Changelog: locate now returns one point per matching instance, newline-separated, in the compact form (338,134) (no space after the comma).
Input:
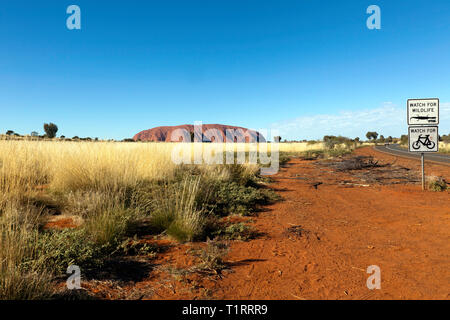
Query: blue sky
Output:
(307,68)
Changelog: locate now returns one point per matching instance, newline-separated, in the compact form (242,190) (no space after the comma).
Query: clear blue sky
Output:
(301,66)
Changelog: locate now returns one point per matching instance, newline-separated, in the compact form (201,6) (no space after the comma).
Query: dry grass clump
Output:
(437,184)
(212,257)
(177,212)
(23,273)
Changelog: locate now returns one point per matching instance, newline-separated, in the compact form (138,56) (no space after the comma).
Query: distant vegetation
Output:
(50,130)
(445,138)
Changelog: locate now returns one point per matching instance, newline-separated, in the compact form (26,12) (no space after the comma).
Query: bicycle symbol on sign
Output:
(425,141)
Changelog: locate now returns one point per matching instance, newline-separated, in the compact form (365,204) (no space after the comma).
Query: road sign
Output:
(423,112)
(423,139)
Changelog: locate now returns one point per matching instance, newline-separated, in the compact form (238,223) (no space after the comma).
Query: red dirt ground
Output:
(399,228)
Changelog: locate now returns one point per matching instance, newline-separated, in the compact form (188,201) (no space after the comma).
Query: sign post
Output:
(423,171)
(423,137)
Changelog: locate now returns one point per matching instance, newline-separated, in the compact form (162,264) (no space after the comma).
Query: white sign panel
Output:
(423,139)
(423,112)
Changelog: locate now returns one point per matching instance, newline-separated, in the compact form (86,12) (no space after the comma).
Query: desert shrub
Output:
(212,257)
(235,231)
(438,185)
(134,247)
(109,226)
(330,142)
(312,154)
(233,198)
(176,210)
(62,248)
(404,139)
(242,174)
(284,158)
(88,247)
(50,129)
(337,152)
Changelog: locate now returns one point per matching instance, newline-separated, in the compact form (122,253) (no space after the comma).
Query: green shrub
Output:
(284,158)
(236,231)
(233,198)
(312,154)
(133,247)
(212,257)
(438,185)
(337,152)
(62,248)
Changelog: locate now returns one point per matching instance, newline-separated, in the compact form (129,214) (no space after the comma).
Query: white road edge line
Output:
(410,156)
(430,155)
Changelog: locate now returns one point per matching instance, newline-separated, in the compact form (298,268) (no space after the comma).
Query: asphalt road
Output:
(396,150)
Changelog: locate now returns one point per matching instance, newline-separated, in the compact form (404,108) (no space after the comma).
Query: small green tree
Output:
(330,141)
(404,139)
(9,132)
(372,135)
(50,130)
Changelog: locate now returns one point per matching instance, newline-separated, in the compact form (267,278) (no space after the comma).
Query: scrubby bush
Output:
(212,257)
(50,130)
(234,198)
(62,248)
(235,231)
(333,142)
(372,135)
(438,184)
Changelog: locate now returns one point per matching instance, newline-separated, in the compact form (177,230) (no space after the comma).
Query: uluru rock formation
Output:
(210,133)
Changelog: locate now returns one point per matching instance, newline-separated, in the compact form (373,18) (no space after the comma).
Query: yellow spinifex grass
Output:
(103,165)
(73,165)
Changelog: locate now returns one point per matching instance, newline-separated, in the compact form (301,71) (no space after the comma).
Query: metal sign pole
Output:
(423,171)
